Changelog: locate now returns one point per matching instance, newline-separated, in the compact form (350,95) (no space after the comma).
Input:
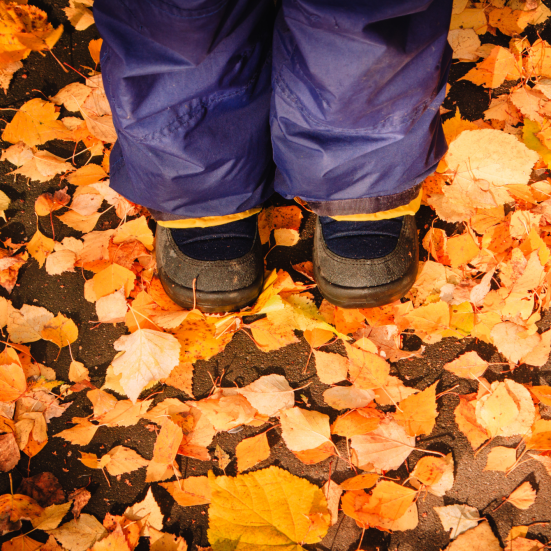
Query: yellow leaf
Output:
(469,19)
(417,413)
(135,229)
(60,330)
(461,249)
(542,393)
(436,473)
(277,218)
(80,222)
(523,497)
(538,60)
(360,482)
(36,123)
(251,451)
(331,368)
(492,72)
(164,453)
(269,336)
(454,126)
(94,48)
(115,541)
(501,459)
(367,370)
(465,417)
(12,382)
(359,421)
(430,321)
(40,247)
(508,21)
(389,500)
(303,429)
(86,175)
(18,506)
(21,543)
(266,509)
(148,356)
(469,365)
(117,461)
(194,490)
(112,279)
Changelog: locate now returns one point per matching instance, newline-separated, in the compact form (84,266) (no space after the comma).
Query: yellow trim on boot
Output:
(411,208)
(208,221)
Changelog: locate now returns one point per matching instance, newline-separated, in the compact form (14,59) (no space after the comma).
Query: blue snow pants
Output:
(343,95)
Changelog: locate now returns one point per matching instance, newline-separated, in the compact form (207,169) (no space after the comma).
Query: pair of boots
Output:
(356,264)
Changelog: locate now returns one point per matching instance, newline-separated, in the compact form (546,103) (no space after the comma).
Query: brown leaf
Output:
(80,497)
(44,488)
(9,452)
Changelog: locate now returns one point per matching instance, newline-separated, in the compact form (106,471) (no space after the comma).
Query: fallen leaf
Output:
(116,540)
(347,397)
(78,372)
(465,417)
(251,451)
(501,459)
(94,47)
(148,356)
(35,123)
(21,543)
(523,497)
(60,330)
(304,430)
(269,394)
(44,488)
(194,490)
(469,365)
(480,538)
(88,174)
(148,511)
(112,308)
(386,447)
(360,482)
(436,473)
(135,229)
(51,516)
(80,497)
(166,446)
(492,72)
(79,534)
(331,368)
(367,370)
(9,452)
(40,247)
(417,413)
(355,422)
(457,518)
(266,509)
(117,461)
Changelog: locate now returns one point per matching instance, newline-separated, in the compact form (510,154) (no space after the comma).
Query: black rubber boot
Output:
(367,282)
(215,285)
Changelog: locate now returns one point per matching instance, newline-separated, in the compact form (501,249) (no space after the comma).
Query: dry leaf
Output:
(251,451)
(269,394)
(304,430)
(523,497)
(386,448)
(331,368)
(469,365)
(417,413)
(347,397)
(436,473)
(60,330)
(501,459)
(458,518)
(119,460)
(147,511)
(79,534)
(492,72)
(112,308)
(281,510)
(40,247)
(162,463)
(194,490)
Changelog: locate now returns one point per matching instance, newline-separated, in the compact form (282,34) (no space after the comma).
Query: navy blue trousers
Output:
(343,95)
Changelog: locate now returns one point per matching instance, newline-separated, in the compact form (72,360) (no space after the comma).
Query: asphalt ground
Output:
(241,362)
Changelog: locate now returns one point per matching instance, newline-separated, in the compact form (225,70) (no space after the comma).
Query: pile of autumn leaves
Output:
(488,280)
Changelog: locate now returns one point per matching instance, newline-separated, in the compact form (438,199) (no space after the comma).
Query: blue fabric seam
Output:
(279,81)
(187,118)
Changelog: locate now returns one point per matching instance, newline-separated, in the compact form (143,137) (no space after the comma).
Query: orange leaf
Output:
(417,413)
